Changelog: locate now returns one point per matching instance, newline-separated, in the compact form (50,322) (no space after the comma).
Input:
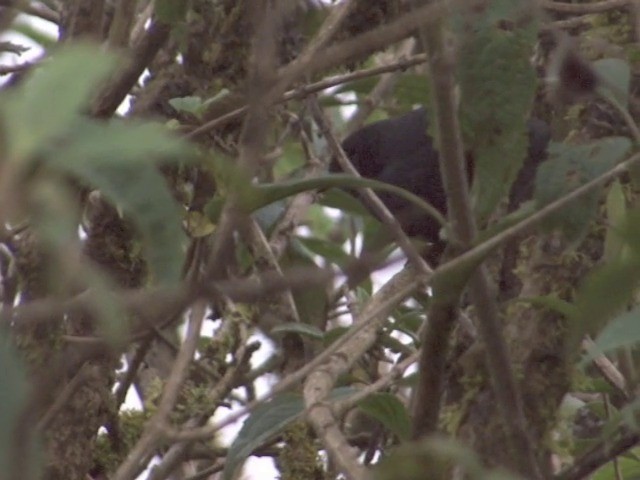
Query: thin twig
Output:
(342,52)
(379,208)
(215,395)
(600,455)
(299,67)
(396,372)
(391,294)
(143,449)
(306,90)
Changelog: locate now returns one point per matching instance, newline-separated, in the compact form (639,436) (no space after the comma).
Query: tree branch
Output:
(582,8)
(453,169)
(120,84)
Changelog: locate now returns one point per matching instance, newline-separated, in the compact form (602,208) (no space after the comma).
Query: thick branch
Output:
(117,88)
(582,8)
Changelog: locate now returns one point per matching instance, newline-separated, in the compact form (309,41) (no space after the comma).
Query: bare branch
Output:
(357,338)
(582,8)
(36,9)
(140,453)
(120,84)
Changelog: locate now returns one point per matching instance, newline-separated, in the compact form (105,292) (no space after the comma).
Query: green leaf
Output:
(617,78)
(54,219)
(498,86)
(47,105)
(628,229)
(410,322)
(606,292)
(189,104)
(334,334)
(396,346)
(435,455)
(411,89)
(622,331)
(322,223)
(326,249)
(13,398)
(301,329)
(341,200)
(47,40)
(195,105)
(171,11)
(292,158)
(118,158)
(627,467)
(550,302)
(120,143)
(569,167)
(362,86)
(616,212)
(257,196)
(388,410)
(266,421)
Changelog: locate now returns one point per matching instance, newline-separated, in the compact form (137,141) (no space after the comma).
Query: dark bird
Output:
(399,151)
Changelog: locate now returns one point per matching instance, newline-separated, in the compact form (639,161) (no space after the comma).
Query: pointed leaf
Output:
(266,421)
(117,158)
(299,328)
(390,411)
(622,331)
(569,167)
(497,85)
(47,105)
(616,212)
(605,293)
(617,76)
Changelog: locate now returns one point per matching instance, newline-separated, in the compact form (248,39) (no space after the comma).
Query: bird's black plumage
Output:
(399,151)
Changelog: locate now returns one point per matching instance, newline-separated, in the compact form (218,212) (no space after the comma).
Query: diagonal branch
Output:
(352,344)
(143,52)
